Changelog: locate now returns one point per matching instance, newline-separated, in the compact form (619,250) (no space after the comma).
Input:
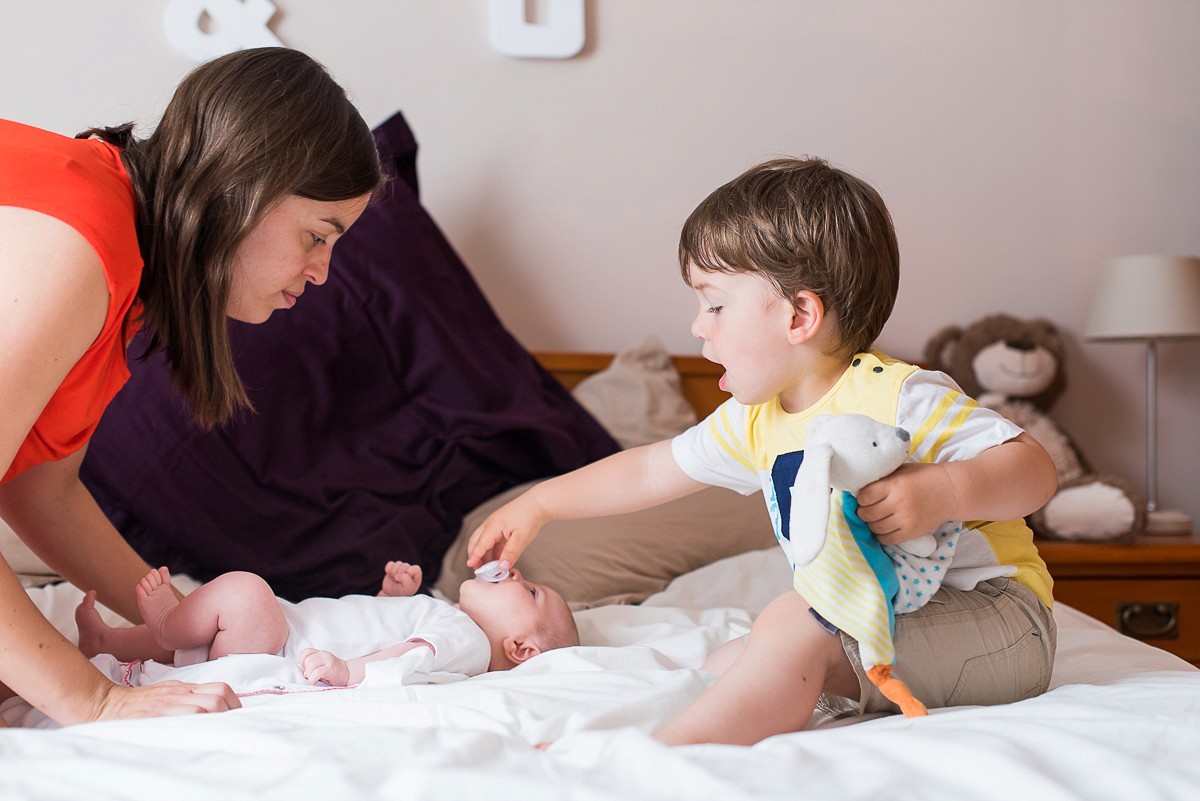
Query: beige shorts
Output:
(990,645)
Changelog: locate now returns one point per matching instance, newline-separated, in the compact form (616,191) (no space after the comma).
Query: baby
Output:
(496,626)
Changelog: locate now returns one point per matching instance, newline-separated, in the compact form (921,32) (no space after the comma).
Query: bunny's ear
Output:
(810,503)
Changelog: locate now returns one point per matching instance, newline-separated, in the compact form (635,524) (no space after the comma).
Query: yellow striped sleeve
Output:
(721,428)
(943,423)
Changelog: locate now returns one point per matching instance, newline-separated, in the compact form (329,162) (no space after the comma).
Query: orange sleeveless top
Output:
(84,184)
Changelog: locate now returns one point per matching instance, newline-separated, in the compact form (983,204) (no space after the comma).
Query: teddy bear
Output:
(1016,366)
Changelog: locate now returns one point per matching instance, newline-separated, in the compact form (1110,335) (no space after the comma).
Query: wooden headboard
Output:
(699,376)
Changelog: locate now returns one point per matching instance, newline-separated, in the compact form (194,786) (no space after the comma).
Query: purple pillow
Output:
(390,402)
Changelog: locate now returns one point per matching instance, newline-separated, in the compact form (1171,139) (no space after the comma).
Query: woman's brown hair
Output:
(242,133)
(803,225)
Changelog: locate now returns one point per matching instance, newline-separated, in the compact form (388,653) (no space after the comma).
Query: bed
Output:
(653,594)
(1121,720)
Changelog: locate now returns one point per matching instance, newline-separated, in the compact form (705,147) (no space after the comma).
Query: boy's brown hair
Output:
(803,225)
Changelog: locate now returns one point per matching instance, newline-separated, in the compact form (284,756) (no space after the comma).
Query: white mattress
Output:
(1122,721)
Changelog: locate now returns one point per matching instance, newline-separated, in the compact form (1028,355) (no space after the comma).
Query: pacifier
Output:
(491,572)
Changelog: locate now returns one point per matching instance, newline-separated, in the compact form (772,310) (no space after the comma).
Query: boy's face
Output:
(744,324)
(513,607)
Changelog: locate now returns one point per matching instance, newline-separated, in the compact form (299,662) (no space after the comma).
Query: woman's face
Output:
(288,249)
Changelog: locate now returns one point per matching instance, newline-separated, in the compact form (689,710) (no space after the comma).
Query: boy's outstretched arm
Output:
(1004,482)
(624,482)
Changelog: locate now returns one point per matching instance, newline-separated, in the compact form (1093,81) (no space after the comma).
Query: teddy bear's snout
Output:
(902,435)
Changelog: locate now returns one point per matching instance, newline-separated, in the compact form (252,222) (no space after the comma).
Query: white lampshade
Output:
(1146,297)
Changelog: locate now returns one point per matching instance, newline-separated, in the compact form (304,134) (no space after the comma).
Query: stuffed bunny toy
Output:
(851,581)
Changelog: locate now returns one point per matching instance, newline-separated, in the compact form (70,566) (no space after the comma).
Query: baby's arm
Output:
(338,672)
(1004,482)
(624,482)
(400,580)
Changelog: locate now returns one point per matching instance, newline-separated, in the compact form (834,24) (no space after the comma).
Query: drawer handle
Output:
(1157,620)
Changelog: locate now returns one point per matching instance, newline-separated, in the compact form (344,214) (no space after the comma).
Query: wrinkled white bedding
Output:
(1122,721)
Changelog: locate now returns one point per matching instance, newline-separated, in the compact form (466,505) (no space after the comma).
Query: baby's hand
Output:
(910,503)
(400,580)
(324,666)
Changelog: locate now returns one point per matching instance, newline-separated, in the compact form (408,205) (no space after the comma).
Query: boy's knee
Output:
(790,617)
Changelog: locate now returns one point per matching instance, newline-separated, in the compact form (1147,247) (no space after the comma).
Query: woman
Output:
(230,208)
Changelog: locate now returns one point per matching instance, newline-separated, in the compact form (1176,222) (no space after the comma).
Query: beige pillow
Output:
(638,398)
(625,558)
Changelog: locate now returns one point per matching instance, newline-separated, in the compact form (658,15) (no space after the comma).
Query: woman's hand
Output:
(163,698)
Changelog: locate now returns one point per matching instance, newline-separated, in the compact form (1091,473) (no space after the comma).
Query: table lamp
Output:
(1149,298)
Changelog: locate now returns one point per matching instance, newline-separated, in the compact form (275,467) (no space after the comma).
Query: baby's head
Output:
(521,619)
(801,224)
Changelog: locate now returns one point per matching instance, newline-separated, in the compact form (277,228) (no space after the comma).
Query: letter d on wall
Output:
(561,36)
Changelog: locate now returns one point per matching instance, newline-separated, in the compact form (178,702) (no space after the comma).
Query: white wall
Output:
(1018,143)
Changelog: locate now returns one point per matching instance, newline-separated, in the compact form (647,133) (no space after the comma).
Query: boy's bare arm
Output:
(624,482)
(1004,482)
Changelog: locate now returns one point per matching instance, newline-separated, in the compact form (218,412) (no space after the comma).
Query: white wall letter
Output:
(561,36)
(233,25)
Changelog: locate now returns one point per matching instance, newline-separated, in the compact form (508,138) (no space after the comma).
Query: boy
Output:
(496,626)
(796,268)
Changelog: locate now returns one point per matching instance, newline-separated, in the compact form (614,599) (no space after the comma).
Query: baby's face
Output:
(511,607)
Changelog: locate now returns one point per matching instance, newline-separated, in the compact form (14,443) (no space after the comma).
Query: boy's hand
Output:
(909,503)
(400,580)
(506,533)
(324,666)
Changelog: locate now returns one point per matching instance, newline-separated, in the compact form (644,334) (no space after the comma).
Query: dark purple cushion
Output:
(390,402)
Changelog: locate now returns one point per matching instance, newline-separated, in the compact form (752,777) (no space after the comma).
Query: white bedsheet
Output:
(1122,721)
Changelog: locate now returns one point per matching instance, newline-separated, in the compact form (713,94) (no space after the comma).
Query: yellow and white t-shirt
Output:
(751,448)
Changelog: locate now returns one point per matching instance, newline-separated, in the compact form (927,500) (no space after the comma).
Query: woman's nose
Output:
(318,271)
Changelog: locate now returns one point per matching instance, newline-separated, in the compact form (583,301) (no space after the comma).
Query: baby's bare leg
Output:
(124,642)
(235,613)
(773,685)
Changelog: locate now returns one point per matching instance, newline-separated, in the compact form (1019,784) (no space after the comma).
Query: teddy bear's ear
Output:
(940,349)
(1045,333)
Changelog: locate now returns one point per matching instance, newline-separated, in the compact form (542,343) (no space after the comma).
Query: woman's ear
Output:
(808,312)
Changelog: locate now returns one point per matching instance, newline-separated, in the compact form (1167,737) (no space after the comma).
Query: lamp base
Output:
(1167,523)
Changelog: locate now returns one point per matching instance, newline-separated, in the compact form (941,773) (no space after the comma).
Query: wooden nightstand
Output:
(1148,588)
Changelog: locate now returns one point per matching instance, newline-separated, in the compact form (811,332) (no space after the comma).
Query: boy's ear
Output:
(808,312)
(518,650)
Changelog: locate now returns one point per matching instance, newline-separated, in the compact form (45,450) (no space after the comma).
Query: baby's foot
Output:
(156,599)
(93,631)
(400,580)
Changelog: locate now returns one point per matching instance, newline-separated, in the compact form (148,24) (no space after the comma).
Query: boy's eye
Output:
(714,309)
(316,239)
(533,592)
